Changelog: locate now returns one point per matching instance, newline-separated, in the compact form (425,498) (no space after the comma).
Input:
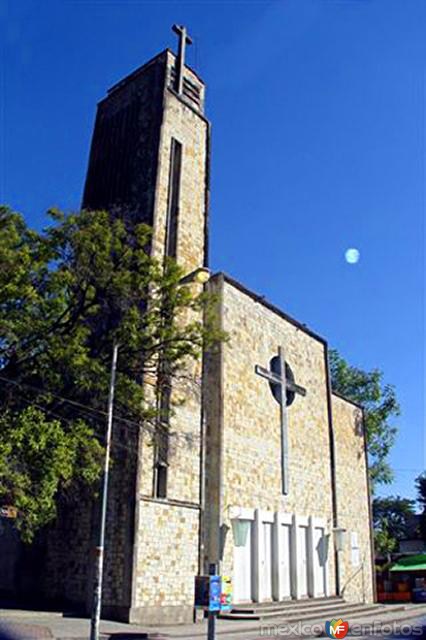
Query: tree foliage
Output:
(421,500)
(384,543)
(392,520)
(37,457)
(380,407)
(66,294)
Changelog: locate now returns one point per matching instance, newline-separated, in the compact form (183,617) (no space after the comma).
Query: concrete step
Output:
(344,607)
(364,610)
(252,607)
(262,612)
(327,610)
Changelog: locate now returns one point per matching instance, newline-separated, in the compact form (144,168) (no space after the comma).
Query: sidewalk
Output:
(56,625)
(29,625)
(34,625)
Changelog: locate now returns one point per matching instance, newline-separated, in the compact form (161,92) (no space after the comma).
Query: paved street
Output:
(29,625)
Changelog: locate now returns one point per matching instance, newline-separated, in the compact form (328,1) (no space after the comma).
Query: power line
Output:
(70,422)
(63,398)
(82,407)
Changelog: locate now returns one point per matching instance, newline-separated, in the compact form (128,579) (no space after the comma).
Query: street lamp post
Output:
(99,567)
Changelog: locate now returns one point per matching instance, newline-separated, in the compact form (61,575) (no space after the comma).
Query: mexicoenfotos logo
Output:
(336,628)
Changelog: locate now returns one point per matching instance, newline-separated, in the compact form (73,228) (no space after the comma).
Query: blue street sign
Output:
(215,591)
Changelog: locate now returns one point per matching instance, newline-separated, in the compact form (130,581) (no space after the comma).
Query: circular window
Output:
(275,366)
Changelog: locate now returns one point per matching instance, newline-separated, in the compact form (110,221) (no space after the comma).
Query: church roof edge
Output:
(262,300)
(346,399)
(133,74)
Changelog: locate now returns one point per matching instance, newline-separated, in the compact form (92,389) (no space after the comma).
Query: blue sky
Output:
(318,112)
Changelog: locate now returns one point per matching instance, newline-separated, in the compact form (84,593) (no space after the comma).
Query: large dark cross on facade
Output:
(284,389)
(184,39)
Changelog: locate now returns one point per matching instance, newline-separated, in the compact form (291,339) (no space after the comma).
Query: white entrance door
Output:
(266,561)
(320,559)
(242,570)
(285,561)
(302,561)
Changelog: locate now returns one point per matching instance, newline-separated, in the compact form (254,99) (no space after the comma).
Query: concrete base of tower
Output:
(150,615)
(162,615)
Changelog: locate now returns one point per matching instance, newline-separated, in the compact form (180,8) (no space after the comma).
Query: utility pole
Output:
(99,568)
(211,618)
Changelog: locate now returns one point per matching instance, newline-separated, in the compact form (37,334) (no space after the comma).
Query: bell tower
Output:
(149,162)
(149,156)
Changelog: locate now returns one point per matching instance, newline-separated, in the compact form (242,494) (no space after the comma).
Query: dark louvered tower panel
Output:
(123,159)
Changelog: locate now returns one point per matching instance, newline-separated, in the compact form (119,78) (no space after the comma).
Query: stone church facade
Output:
(216,496)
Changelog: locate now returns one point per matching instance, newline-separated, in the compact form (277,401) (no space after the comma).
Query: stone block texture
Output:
(353,501)
(167,562)
(243,455)
(244,420)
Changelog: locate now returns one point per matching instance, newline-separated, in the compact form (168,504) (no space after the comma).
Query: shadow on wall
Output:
(322,550)
(10,552)
(21,567)
(359,428)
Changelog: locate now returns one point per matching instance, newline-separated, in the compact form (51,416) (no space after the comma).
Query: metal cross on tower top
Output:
(284,389)
(184,39)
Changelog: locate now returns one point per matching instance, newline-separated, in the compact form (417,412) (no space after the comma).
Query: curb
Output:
(17,630)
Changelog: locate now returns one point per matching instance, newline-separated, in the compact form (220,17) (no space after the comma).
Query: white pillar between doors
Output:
(280,520)
(294,556)
(329,547)
(298,521)
(257,531)
(311,559)
(321,523)
(261,516)
(276,556)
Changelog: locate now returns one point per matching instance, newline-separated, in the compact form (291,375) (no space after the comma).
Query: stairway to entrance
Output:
(301,610)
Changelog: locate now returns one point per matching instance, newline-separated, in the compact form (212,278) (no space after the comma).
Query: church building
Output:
(264,470)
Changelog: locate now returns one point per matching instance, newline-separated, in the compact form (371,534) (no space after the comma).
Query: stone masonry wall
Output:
(352,502)
(70,558)
(183,123)
(249,453)
(190,128)
(68,561)
(167,539)
(167,563)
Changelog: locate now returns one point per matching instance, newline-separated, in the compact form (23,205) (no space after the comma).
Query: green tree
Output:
(66,294)
(421,500)
(392,518)
(384,543)
(37,456)
(380,406)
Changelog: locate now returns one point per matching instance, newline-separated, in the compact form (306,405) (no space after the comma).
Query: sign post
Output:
(213,593)
(214,602)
